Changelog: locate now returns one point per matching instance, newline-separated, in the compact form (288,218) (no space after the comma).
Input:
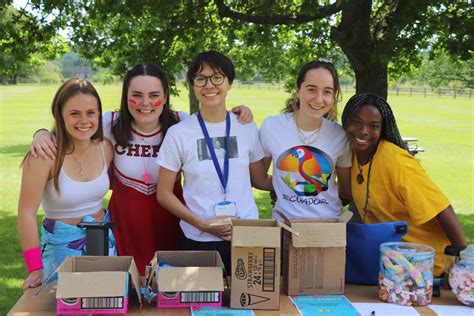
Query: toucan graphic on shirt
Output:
(306,170)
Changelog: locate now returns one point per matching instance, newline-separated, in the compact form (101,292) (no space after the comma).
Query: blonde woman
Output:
(70,188)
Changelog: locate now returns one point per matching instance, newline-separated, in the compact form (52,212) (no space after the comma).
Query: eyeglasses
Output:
(216,80)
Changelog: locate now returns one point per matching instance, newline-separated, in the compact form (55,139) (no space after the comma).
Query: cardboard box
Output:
(195,278)
(255,264)
(314,258)
(95,284)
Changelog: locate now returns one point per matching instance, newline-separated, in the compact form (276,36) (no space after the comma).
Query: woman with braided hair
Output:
(389,184)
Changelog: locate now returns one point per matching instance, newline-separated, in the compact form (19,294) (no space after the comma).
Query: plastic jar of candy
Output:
(461,277)
(406,273)
(451,256)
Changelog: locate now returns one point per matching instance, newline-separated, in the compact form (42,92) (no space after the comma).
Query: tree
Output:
(273,36)
(24,41)
(443,71)
(374,35)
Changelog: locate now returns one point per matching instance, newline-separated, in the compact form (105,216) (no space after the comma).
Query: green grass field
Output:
(443,126)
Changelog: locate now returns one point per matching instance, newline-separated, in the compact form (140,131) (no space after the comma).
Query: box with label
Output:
(255,264)
(189,278)
(314,256)
(96,285)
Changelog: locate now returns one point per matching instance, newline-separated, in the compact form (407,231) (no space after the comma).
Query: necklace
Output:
(307,138)
(366,206)
(360,176)
(81,163)
(143,136)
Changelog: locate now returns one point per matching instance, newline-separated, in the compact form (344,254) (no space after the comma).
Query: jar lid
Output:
(468,254)
(453,250)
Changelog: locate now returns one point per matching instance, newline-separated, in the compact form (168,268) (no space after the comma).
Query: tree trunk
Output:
(354,37)
(193,101)
(371,76)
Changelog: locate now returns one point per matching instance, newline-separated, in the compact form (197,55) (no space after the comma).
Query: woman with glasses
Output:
(308,148)
(136,132)
(213,187)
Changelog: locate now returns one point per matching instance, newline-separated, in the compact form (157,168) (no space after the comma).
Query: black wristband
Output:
(41,129)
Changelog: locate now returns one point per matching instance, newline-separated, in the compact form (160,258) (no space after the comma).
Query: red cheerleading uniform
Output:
(143,225)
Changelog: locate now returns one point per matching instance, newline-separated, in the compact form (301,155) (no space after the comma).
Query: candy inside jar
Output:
(461,277)
(406,273)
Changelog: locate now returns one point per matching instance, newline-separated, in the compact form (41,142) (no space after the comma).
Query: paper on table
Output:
(447,310)
(385,309)
(215,311)
(310,305)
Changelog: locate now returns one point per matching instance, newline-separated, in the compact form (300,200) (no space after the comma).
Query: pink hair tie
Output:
(33,259)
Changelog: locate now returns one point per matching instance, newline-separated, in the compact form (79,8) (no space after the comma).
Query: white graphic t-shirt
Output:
(184,148)
(304,174)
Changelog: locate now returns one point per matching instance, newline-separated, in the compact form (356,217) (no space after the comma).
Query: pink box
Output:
(189,299)
(91,305)
(95,285)
(189,279)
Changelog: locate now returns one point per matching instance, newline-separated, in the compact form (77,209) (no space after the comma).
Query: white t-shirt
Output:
(304,174)
(132,162)
(184,148)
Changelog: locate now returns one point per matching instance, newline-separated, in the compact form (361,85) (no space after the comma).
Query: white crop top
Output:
(75,198)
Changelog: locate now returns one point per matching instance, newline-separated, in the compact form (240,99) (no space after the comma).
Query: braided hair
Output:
(389,125)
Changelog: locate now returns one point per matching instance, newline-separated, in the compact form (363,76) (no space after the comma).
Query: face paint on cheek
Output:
(132,102)
(158,103)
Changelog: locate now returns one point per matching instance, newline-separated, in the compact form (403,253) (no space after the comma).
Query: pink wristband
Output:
(33,259)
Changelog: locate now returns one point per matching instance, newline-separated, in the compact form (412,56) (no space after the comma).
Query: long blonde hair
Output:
(66,91)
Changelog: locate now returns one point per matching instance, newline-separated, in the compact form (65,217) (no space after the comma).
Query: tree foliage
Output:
(445,71)
(25,41)
(271,37)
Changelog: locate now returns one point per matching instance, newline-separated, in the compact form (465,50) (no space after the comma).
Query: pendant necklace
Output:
(367,195)
(81,163)
(311,138)
(360,176)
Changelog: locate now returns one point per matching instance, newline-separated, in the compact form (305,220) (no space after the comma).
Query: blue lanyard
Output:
(222,177)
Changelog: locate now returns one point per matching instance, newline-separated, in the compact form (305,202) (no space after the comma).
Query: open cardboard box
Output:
(314,259)
(96,284)
(195,278)
(255,264)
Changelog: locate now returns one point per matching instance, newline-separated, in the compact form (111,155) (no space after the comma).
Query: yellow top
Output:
(400,190)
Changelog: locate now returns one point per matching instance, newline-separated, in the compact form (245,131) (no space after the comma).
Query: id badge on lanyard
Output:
(225,207)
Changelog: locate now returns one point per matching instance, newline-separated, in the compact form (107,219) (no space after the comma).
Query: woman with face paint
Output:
(308,148)
(213,186)
(70,189)
(136,132)
(390,185)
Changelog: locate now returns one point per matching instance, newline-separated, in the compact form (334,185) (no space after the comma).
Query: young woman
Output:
(136,132)
(308,148)
(389,184)
(70,188)
(212,186)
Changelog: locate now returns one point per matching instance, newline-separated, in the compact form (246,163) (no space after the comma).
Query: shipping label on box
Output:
(255,264)
(189,279)
(95,285)
(314,258)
